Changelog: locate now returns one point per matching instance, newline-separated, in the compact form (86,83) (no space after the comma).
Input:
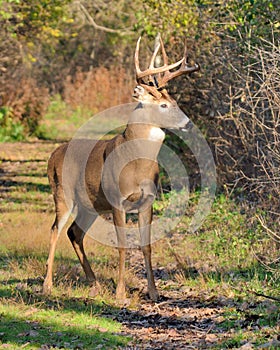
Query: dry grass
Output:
(216,266)
(224,244)
(98,89)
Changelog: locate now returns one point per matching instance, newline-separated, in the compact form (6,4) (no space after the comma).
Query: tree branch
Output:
(99,27)
(269,231)
(265,296)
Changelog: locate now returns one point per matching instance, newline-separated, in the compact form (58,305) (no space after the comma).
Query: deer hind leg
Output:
(120,222)
(76,234)
(144,222)
(62,215)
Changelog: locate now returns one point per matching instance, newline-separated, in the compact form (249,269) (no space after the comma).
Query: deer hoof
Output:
(154,296)
(94,290)
(121,297)
(123,302)
(120,292)
(47,288)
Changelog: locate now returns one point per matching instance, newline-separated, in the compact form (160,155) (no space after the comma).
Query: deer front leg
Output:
(144,221)
(120,223)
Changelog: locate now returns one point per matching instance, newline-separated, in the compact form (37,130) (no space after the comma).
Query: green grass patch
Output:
(10,130)
(226,252)
(68,319)
(61,122)
(66,326)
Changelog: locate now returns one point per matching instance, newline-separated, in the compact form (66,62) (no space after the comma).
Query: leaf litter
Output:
(191,319)
(185,318)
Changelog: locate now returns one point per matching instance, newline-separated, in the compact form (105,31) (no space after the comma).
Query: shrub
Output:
(27,102)
(9,131)
(249,134)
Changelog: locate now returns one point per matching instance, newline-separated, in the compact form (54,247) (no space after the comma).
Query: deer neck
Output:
(146,135)
(147,132)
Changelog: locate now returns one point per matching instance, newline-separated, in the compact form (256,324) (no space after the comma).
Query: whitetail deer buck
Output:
(132,188)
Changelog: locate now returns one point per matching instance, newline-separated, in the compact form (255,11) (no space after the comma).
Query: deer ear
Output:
(139,93)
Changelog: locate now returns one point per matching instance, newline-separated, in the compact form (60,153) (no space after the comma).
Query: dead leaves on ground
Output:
(196,323)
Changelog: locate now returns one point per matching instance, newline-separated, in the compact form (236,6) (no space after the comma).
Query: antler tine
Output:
(140,74)
(184,69)
(151,71)
(164,55)
(136,59)
(152,63)
(164,72)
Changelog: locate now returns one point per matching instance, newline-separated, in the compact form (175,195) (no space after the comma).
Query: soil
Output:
(183,318)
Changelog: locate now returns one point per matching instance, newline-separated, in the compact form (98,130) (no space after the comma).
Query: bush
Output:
(247,137)
(27,102)
(9,131)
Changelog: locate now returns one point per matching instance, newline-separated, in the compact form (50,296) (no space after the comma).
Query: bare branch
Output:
(100,27)
(269,231)
(265,296)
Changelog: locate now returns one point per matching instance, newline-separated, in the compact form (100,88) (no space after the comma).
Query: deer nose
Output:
(187,126)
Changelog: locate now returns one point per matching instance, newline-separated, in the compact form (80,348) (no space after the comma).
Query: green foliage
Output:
(225,248)
(254,12)
(247,20)
(36,25)
(61,121)
(171,18)
(6,8)
(35,19)
(232,238)
(9,129)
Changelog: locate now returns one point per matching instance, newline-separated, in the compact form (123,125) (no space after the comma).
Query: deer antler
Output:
(184,68)
(152,70)
(163,72)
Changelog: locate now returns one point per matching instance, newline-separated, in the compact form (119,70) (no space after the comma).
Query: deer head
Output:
(152,82)
(154,79)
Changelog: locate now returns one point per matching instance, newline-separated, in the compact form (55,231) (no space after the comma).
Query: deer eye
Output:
(163,105)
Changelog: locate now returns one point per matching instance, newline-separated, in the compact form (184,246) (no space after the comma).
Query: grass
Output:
(218,262)
(65,326)
(222,255)
(61,122)
(67,319)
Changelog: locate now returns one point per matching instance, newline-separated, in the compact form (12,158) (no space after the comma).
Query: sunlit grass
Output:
(62,324)
(218,261)
(61,122)
(221,256)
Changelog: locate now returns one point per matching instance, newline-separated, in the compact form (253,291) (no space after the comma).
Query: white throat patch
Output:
(156,134)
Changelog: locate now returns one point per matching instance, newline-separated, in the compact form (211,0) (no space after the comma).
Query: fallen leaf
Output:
(103,330)
(247,346)
(173,333)
(32,333)
(211,338)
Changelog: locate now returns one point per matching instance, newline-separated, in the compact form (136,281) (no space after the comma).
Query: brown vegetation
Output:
(99,88)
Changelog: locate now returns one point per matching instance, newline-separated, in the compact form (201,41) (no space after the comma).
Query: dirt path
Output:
(175,323)
(190,319)
(184,318)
